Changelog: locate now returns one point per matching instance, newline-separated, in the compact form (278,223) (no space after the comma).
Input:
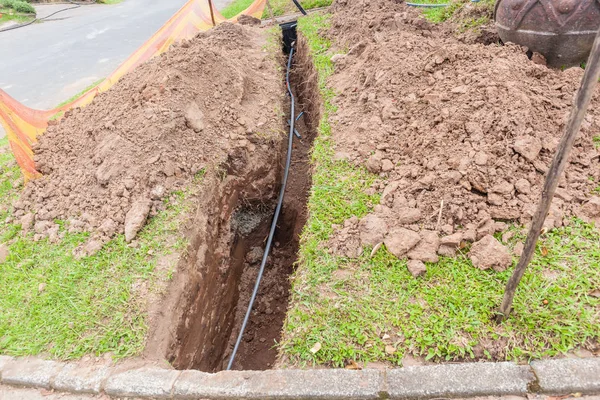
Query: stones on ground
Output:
(136,218)
(3,253)
(426,249)
(528,146)
(489,253)
(416,268)
(401,240)
(372,230)
(194,117)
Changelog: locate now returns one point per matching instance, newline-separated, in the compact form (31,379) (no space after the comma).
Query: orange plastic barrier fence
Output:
(23,124)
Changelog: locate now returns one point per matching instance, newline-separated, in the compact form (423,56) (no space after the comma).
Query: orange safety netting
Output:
(23,124)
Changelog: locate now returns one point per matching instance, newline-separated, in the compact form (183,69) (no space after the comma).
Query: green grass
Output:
(75,97)
(356,307)
(11,15)
(280,7)
(110,1)
(54,304)
(441,14)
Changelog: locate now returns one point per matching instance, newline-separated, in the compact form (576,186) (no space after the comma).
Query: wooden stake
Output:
(271,12)
(584,95)
(212,13)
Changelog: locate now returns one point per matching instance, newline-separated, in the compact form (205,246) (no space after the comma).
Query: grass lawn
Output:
(110,1)
(10,15)
(441,14)
(75,97)
(280,7)
(371,309)
(56,305)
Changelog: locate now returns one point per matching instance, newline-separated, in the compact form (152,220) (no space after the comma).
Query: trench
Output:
(227,243)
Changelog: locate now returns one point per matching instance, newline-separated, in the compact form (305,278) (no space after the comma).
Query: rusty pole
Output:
(212,13)
(582,101)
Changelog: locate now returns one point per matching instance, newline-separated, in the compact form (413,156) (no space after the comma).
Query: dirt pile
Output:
(107,167)
(460,134)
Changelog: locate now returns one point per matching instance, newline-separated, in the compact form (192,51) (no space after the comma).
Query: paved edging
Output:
(424,382)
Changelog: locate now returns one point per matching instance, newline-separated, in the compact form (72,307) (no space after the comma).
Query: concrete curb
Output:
(556,377)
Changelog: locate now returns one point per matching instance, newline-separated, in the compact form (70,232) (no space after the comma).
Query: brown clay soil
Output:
(161,125)
(461,133)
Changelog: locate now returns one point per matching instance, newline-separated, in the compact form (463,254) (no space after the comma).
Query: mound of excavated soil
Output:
(461,135)
(108,166)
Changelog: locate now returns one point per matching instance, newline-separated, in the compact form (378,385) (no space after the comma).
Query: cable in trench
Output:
(288,162)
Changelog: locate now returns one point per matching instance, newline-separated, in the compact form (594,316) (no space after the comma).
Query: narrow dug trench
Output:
(228,235)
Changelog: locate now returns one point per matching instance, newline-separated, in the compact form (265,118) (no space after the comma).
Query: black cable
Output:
(288,163)
(302,10)
(41,19)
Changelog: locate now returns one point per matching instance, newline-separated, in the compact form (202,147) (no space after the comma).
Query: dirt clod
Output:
(416,268)
(136,218)
(426,249)
(400,240)
(3,253)
(490,253)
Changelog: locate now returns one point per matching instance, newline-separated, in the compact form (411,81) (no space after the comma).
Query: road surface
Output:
(46,63)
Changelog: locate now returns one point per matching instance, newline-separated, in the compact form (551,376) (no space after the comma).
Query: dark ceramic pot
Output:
(562,30)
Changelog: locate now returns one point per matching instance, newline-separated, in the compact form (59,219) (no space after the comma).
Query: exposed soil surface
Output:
(461,134)
(108,166)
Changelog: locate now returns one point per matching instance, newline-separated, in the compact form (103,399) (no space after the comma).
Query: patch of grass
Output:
(75,97)
(11,15)
(236,7)
(54,304)
(597,141)
(110,1)
(280,7)
(441,14)
(356,307)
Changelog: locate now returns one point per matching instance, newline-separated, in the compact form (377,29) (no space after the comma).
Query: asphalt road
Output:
(46,63)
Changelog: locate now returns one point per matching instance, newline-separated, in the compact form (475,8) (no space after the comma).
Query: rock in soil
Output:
(154,130)
(490,253)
